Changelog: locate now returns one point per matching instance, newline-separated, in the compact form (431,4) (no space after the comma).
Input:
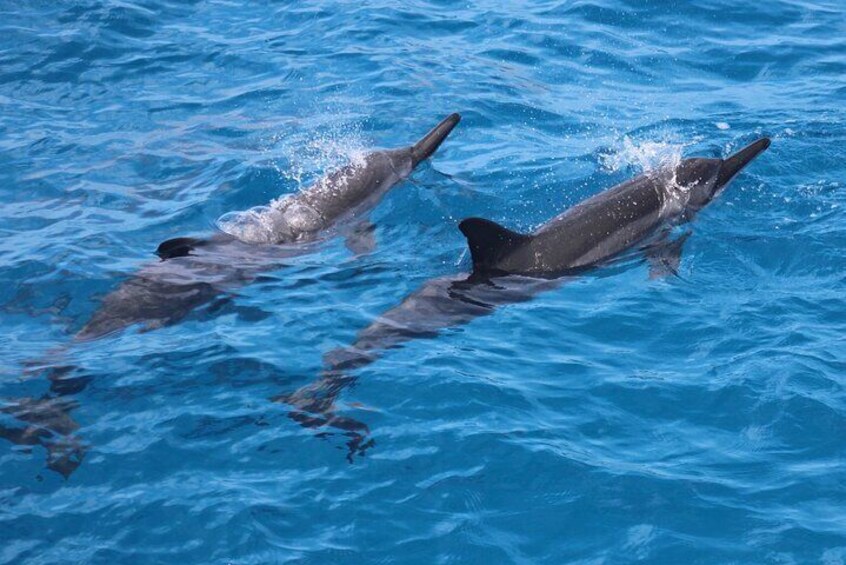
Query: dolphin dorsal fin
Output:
(178,247)
(489,242)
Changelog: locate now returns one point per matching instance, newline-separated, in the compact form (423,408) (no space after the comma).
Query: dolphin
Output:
(195,271)
(511,267)
(603,226)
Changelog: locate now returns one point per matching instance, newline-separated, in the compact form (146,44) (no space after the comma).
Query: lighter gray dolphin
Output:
(511,267)
(194,271)
(197,271)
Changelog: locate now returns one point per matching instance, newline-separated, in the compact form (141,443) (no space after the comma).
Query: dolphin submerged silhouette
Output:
(196,271)
(511,267)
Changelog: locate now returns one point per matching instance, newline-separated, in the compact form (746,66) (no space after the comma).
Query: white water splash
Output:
(652,158)
(327,149)
(644,156)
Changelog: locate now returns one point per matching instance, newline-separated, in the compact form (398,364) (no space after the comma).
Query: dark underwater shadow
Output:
(438,305)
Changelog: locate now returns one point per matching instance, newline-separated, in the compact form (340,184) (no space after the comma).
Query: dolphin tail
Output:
(313,406)
(736,162)
(427,146)
(489,242)
(45,421)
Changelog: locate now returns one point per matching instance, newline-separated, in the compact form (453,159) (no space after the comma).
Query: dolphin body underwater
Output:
(194,271)
(511,267)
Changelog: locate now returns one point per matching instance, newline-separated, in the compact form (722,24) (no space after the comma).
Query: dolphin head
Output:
(704,179)
(698,178)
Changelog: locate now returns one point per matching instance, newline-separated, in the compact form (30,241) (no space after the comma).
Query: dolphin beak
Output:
(736,162)
(424,148)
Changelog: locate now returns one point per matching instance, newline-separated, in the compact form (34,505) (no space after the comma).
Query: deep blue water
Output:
(617,418)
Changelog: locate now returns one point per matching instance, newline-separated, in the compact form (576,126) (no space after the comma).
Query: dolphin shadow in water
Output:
(439,304)
(510,267)
(193,272)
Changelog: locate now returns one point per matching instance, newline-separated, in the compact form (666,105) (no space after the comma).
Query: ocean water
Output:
(616,418)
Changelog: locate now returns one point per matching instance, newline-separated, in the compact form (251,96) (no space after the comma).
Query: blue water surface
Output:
(617,418)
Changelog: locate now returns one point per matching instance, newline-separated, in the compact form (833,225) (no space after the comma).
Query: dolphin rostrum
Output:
(511,267)
(197,271)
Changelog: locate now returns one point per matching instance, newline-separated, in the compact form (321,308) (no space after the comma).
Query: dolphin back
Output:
(430,142)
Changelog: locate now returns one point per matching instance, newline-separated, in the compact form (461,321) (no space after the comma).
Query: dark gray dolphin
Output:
(197,271)
(510,267)
(601,227)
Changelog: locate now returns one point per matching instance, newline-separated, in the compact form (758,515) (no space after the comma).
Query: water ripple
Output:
(613,419)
